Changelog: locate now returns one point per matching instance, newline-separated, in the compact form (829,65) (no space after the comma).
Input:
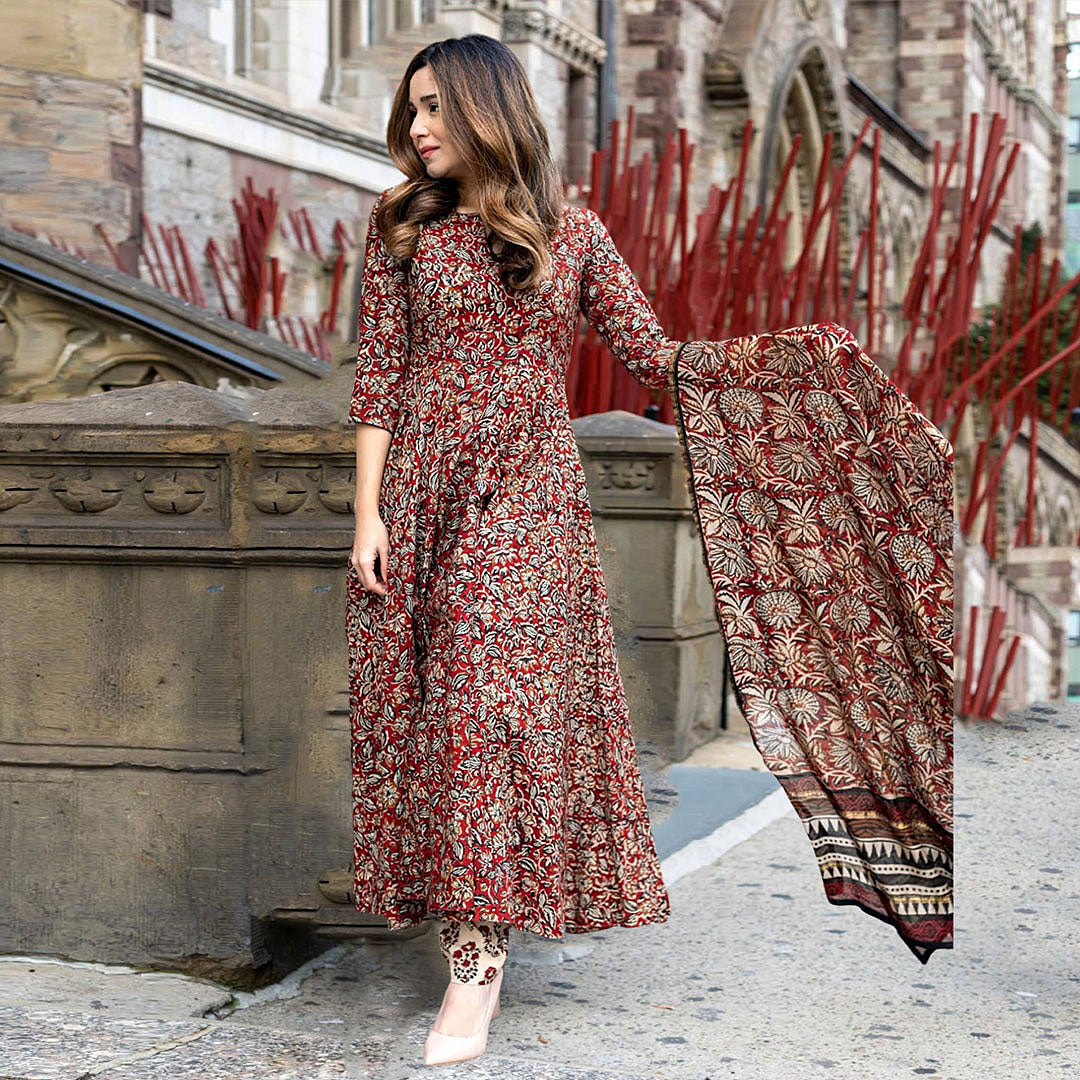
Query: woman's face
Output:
(427,129)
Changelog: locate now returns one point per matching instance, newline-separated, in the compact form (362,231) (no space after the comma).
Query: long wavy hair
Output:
(491,116)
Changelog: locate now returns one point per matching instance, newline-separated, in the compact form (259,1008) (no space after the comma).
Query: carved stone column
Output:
(671,650)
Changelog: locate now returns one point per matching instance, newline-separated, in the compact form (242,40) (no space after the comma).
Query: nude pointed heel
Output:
(440,1049)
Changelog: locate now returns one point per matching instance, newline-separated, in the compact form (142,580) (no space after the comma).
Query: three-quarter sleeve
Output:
(383,349)
(617,308)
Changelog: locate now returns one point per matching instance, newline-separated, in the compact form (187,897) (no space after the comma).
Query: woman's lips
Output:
(428,151)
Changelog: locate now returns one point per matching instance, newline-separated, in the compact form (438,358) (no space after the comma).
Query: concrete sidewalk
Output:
(755,976)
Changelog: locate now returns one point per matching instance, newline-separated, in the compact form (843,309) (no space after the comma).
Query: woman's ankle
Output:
(463,1008)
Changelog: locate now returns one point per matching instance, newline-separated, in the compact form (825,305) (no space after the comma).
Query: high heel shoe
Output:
(440,1049)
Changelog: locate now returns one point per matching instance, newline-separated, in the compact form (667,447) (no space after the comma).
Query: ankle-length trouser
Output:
(475,951)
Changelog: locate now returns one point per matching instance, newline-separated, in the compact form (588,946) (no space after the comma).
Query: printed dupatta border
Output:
(824,503)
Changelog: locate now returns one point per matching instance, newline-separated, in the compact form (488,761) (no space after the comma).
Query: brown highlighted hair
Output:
(491,115)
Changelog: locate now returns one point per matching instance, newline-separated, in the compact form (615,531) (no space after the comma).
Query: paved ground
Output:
(755,976)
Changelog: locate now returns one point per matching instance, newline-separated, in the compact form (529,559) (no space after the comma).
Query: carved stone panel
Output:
(101,498)
(50,348)
(32,492)
(70,328)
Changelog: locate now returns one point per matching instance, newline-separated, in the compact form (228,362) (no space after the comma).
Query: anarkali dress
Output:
(495,775)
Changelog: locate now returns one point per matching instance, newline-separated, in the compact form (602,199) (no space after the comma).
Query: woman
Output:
(495,775)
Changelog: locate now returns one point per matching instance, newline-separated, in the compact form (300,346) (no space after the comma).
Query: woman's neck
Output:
(467,200)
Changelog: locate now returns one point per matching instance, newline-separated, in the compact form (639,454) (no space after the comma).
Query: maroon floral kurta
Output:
(494,771)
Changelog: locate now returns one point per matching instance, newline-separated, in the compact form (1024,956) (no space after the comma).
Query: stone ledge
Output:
(533,23)
(152,466)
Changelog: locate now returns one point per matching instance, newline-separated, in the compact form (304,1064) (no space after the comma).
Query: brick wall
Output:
(70,76)
(930,66)
(873,30)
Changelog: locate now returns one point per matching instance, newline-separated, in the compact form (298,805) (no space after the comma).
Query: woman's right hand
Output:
(371,541)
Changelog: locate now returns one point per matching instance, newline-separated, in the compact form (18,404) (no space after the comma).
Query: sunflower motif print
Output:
(828,542)
(495,775)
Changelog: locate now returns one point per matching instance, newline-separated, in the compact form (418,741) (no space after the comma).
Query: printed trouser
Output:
(475,951)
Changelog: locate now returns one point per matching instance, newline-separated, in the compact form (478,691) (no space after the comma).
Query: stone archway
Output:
(906,244)
(140,369)
(1017,479)
(805,100)
(1064,523)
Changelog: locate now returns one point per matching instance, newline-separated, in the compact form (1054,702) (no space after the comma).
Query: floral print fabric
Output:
(495,776)
(494,773)
(475,951)
(825,505)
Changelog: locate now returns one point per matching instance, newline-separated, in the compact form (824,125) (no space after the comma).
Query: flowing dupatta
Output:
(824,501)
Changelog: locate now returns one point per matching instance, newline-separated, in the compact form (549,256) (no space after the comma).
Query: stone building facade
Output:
(71,143)
(126,116)
(1072,194)
(167,106)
